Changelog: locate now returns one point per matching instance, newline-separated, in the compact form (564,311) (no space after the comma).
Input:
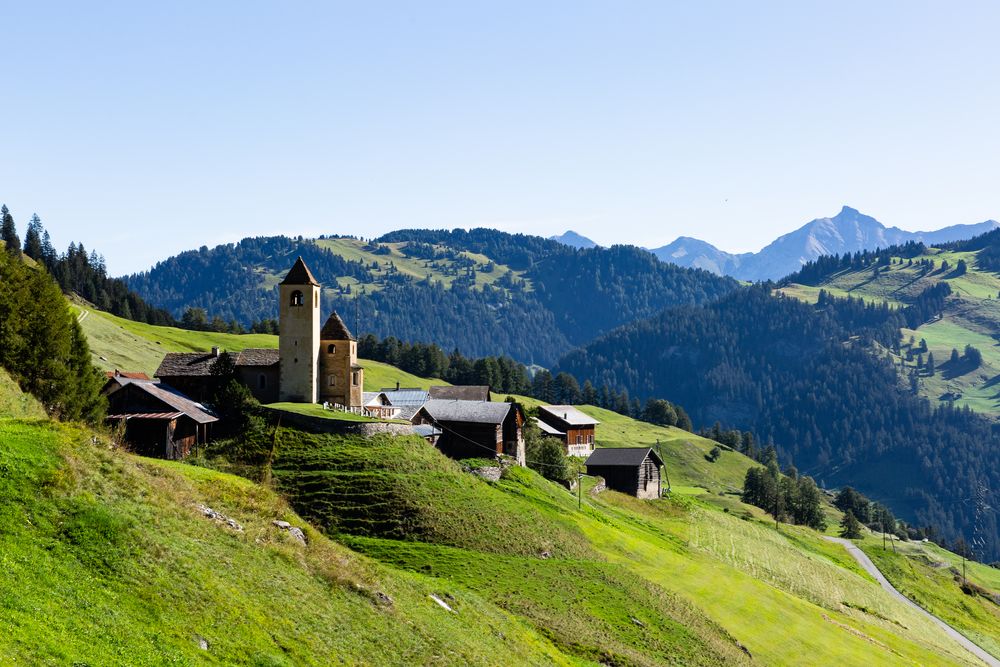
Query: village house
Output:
(631,470)
(159,420)
(475,429)
(191,372)
(569,424)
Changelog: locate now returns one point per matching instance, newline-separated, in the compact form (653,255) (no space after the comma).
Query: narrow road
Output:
(869,566)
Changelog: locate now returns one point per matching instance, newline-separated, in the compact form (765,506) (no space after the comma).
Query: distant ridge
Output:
(848,231)
(573,240)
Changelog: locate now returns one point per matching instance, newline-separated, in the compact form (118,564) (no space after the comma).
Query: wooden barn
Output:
(159,420)
(631,470)
(475,429)
(570,425)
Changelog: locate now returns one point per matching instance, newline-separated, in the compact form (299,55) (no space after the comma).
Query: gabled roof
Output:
(622,456)
(549,430)
(472,392)
(174,399)
(567,414)
(194,364)
(299,275)
(335,329)
(475,412)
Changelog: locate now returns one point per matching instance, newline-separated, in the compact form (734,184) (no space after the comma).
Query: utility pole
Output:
(579,490)
(666,472)
(883,536)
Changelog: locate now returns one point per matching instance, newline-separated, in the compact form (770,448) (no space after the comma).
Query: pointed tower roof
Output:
(335,329)
(299,275)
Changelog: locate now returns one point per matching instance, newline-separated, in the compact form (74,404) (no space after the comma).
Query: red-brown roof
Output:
(299,275)
(135,375)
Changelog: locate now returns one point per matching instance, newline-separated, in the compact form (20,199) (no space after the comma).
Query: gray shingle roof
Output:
(622,456)
(476,412)
(299,274)
(461,392)
(189,364)
(175,399)
(257,357)
(335,329)
(568,414)
(548,430)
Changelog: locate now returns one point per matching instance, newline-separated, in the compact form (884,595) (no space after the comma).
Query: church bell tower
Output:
(299,336)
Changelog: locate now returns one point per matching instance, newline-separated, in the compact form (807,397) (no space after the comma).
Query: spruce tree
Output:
(9,231)
(33,238)
(850,527)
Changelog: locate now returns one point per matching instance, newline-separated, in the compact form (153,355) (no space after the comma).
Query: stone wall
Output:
(338,426)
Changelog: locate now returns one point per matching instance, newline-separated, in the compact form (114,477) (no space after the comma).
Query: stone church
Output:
(317,364)
(313,363)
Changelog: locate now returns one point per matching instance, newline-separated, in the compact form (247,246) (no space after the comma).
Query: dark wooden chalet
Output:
(159,420)
(631,470)
(570,425)
(469,392)
(475,429)
(191,372)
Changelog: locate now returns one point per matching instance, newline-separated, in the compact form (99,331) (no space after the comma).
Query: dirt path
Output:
(869,566)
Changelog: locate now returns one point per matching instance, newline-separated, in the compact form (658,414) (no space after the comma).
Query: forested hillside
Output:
(483,292)
(812,379)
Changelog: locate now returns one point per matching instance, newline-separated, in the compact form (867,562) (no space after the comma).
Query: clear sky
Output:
(142,128)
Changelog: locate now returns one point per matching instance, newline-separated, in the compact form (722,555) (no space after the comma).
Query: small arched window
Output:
(262,381)
(296,298)
(331,349)
(331,380)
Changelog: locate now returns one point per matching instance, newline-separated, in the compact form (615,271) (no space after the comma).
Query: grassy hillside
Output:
(642,571)
(125,569)
(443,270)
(971,316)
(14,403)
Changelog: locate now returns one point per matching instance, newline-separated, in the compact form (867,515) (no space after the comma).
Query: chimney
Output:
(215,350)
(397,385)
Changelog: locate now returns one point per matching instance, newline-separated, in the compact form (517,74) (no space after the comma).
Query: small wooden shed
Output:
(631,470)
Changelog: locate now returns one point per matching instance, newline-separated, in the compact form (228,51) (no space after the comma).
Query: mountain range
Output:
(847,232)
(573,240)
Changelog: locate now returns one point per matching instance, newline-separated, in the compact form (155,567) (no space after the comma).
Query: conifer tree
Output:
(850,527)
(33,238)
(9,231)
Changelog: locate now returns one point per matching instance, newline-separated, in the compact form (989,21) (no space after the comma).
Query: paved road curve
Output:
(869,566)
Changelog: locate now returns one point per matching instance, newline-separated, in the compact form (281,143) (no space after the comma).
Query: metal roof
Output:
(622,456)
(146,415)
(476,412)
(568,414)
(406,397)
(548,430)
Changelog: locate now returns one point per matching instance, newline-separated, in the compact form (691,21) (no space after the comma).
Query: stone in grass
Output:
(294,531)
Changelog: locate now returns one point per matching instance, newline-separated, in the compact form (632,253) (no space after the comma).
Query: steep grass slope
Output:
(14,403)
(107,559)
(787,596)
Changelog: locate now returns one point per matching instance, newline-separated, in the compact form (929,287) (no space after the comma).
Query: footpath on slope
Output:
(869,566)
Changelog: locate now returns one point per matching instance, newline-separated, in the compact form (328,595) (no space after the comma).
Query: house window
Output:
(262,381)
(331,349)
(297,298)
(590,439)
(331,380)
(579,439)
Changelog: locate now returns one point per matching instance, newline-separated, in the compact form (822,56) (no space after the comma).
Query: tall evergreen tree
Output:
(8,231)
(33,238)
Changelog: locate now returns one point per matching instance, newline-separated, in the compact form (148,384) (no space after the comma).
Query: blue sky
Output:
(143,129)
